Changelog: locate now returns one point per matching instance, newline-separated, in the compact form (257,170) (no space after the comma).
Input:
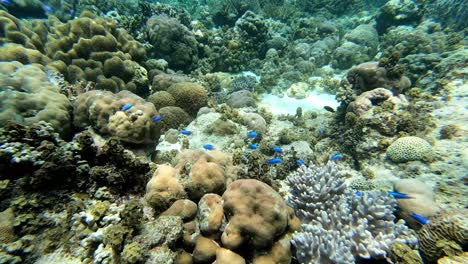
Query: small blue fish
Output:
(274,161)
(185,132)
(251,134)
(208,147)
(125,107)
(419,218)
(321,131)
(46,8)
(358,193)
(156,118)
(5,2)
(299,162)
(277,149)
(399,195)
(253,146)
(336,156)
(294,192)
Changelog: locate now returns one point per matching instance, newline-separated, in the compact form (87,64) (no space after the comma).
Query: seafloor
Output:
(233,131)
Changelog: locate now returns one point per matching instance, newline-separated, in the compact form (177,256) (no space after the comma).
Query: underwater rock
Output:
(396,13)
(299,90)
(242,98)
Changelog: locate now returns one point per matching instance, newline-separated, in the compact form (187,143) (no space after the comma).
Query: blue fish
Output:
(125,107)
(419,218)
(321,131)
(399,195)
(299,162)
(274,161)
(46,8)
(208,147)
(5,2)
(185,132)
(277,149)
(251,134)
(156,118)
(358,193)
(253,146)
(336,156)
(294,192)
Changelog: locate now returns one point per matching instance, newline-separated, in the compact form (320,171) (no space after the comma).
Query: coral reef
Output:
(189,96)
(339,225)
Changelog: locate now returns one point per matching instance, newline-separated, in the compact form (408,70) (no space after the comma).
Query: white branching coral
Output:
(338,224)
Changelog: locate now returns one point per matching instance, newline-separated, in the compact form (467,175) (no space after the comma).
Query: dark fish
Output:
(329,109)
(251,134)
(208,147)
(185,132)
(125,107)
(277,149)
(299,162)
(419,218)
(336,156)
(156,118)
(274,161)
(253,146)
(399,195)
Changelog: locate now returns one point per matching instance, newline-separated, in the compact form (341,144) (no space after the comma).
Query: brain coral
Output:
(189,96)
(101,110)
(28,97)
(410,148)
(257,214)
(161,99)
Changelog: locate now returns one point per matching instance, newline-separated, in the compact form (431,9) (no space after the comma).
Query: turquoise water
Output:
(237,131)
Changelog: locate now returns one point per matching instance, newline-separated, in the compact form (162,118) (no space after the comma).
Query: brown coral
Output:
(189,96)
(445,234)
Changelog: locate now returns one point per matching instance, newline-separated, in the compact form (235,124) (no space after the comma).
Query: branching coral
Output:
(339,225)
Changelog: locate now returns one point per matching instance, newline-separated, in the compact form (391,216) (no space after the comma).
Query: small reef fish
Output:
(253,146)
(208,147)
(125,107)
(329,109)
(5,2)
(46,8)
(336,156)
(294,192)
(156,118)
(277,149)
(419,218)
(251,134)
(274,161)
(185,132)
(399,195)
(321,131)
(358,193)
(299,162)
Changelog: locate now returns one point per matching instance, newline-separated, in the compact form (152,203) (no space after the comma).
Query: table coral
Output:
(338,225)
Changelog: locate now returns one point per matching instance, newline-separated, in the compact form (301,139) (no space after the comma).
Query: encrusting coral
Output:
(338,224)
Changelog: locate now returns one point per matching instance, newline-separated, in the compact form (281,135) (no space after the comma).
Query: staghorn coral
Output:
(410,148)
(445,234)
(338,225)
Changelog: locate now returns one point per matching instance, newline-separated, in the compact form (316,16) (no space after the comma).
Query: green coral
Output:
(161,99)
(132,253)
(115,234)
(410,148)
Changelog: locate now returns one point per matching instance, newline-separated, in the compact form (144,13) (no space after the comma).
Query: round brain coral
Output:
(410,148)
(189,96)
(161,99)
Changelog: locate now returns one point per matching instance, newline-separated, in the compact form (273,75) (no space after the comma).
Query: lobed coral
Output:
(338,225)
(29,97)
(102,111)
